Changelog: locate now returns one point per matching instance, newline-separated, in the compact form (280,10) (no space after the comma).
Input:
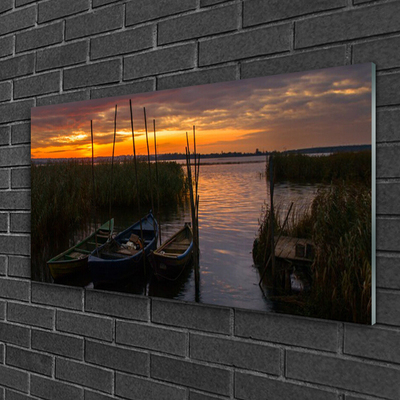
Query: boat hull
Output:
(107,266)
(168,265)
(74,261)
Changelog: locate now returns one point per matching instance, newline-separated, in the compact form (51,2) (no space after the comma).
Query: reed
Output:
(346,166)
(62,192)
(339,223)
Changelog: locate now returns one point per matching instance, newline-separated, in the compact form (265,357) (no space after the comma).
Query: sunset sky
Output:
(307,109)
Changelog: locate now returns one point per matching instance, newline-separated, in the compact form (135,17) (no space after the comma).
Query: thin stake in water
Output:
(137,186)
(148,162)
(112,163)
(157,180)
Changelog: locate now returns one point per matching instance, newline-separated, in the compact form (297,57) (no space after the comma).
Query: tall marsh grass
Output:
(63,200)
(346,166)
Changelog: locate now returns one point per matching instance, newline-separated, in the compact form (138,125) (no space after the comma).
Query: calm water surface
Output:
(231,200)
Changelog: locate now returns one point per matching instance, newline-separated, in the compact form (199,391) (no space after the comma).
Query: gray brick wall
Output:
(60,342)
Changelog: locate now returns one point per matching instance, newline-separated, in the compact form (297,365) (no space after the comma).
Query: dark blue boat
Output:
(122,257)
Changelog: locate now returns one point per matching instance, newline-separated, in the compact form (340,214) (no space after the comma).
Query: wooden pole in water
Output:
(157,181)
(112,163)
(137,187)
(94,190)
(150,180)
(272,219)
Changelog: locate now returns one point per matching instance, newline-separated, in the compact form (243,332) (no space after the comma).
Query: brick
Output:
(117,358)
(18,245)
(31,315)
(16,66)
(21,134)
(198,24)
(63,98)
(29,360)
(4,179)
(3,270)
(99,3)
(325,58)
(10,333)
(145,10)
(37,84)
(387,195)
(387,308)
(251,387)
(19,3)
(85,325)
(205,3)
(39,37)
(50,389)
(89,395)
(85,375)
(151,337)
(13,395)
(103,20)
(6,5)
(372,343)
(62,56)
(93,74)
(341,26)
(146,85)
(14,289)
(387,122)
(134,388)
(21,178)
(160,61)
(2,310)
(117,305)
(387,89)
(201,396)
(5,136)
(235,353)
(17,20)
(258,11)
(124,42)
(15,200)
(50,10)
(192,316)
(386,161)
(387,234)
(20,222)
(13,378)
(291,330)
(247,44)
(198,376)
(201,77)
(5,91)
(57,343)
(12,112)
(358,376)
(382,52)
(6,46)
(19,266)
(57,295)
(3,224)
(387,272)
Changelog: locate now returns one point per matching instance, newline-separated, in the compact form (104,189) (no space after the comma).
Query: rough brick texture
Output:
(63,342)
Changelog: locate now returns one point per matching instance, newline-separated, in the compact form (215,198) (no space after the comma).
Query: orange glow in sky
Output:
(307,109)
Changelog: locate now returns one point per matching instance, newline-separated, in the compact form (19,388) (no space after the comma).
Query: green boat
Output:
(75,260)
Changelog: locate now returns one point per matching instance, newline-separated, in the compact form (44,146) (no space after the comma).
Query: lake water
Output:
(232,194)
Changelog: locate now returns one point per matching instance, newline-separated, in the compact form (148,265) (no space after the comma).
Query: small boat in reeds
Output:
(122,256)
(171,258)
(75,260)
